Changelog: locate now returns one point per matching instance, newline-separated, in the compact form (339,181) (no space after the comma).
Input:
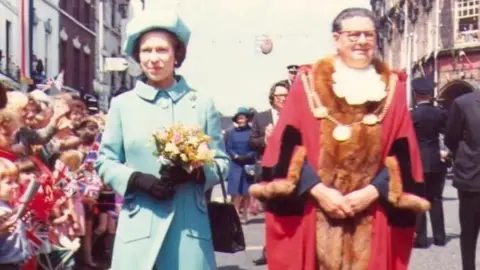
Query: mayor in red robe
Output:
(342,178)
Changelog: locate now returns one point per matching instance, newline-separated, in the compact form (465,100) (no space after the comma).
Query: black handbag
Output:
(227,232)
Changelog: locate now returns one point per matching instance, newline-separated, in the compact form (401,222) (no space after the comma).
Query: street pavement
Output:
(433,258)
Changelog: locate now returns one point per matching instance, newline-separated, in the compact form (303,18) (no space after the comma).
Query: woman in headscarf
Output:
(162,225)
(242,165)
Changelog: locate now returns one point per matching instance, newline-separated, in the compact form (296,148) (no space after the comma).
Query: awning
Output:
(9,82)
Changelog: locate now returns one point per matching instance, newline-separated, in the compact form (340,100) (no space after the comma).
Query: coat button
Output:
(164,103)
(131,206)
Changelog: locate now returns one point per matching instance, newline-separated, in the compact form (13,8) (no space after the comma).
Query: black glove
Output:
(243,159)
(157,188)
(178,176)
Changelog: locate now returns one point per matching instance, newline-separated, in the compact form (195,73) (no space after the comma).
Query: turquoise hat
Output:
(151,19)
(241,110)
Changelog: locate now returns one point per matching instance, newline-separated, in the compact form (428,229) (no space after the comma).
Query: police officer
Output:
(429,122)
(292,72)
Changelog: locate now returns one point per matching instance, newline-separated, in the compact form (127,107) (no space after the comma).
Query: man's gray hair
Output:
(350,13)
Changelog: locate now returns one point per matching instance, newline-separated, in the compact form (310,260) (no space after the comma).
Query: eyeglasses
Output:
(281,95)
(354,36)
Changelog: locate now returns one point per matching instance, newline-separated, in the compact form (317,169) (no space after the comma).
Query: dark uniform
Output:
(292,72)
(429,122)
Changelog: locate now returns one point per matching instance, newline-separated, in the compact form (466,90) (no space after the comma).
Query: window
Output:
(431,37)
(86,16)
(76,9)
(113,14)
(47,41)
(63,4)
(79,71)
(63,55)
(466,15)
(8,38)
(113,78)
(87,67)
(123,79)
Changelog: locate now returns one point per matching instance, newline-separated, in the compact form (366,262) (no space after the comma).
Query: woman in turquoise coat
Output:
(163,223)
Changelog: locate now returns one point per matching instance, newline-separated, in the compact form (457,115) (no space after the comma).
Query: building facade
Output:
(437,38)
(115,14)
(77,43)
(9,43)
(45,40)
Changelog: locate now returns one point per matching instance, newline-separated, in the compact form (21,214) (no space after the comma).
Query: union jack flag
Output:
(55,82)
(38,239)
(61,173)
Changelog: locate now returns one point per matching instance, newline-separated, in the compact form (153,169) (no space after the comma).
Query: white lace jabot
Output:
(357,86)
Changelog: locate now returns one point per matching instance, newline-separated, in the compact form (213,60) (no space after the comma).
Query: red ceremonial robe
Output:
(291,237)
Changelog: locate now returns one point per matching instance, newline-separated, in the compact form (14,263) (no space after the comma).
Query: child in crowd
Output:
(13,242)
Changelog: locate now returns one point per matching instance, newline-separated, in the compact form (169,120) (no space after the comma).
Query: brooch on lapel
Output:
(163,103)
(193,99)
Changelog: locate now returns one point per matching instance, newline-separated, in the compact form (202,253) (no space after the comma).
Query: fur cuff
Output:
(395,186)
(396,196)
(282,187)
(414,203)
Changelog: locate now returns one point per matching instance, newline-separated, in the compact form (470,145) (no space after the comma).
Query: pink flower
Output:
(177,138)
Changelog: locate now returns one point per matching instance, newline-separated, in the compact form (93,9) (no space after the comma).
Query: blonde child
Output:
(13,243)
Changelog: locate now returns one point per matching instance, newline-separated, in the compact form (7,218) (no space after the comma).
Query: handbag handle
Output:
(222,184)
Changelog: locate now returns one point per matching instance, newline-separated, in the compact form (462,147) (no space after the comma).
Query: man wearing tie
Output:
(429,122)
(262,127)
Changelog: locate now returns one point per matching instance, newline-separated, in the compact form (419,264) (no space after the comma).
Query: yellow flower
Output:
(171,148)
(204,153)
(193,141)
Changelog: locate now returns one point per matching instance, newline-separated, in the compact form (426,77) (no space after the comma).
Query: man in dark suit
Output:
(462,136)
(262,127)
(263,122)
(429,122)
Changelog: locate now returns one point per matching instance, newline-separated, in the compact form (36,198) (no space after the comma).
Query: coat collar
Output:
(424,103)
(175,92)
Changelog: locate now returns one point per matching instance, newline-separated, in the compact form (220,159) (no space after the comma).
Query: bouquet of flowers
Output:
(184,146)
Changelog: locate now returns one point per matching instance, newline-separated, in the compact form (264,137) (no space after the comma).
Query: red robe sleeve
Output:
(291,236)
(393,229)
(398,125)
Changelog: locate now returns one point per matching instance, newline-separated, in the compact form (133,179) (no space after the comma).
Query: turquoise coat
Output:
(151,234)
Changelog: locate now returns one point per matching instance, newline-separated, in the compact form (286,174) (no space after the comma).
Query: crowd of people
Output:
(54,208)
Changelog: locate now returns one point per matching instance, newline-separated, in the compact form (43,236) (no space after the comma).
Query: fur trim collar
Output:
(322,81)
